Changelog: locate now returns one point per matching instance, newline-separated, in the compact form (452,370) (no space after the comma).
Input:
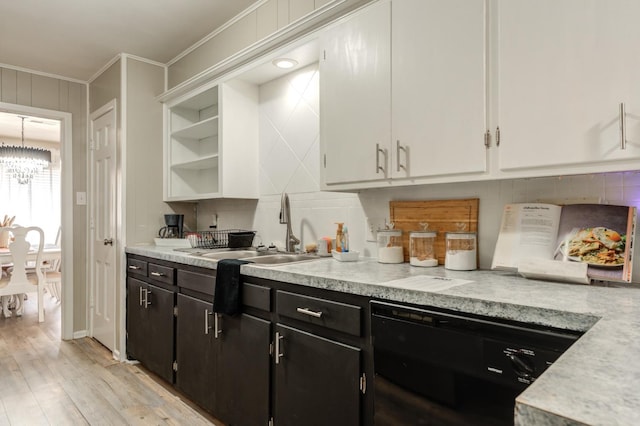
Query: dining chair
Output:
(53,279)
(15,279)
(52,274)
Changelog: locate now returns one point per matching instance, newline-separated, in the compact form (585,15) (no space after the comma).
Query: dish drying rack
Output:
(211,239)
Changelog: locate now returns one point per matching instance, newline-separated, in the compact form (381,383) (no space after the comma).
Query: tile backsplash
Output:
(289,162)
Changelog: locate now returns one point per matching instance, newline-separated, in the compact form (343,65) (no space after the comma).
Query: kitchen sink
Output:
(254,256)
(280,258)
(231,254)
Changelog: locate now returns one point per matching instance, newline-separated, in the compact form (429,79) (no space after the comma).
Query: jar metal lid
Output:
(424,234)
(461,235)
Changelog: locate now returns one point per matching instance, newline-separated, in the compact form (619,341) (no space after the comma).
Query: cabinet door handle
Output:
(378,151)
(135,268)
(623,127)
(278,354)
(398,149)
(207,326)
(157,274)
(147,299)
(140,295)
(309,312)
(217,325)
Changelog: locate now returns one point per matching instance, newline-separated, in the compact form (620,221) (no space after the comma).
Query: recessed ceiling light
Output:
(285,63)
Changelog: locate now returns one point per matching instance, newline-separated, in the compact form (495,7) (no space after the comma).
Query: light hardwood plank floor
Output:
(47,381)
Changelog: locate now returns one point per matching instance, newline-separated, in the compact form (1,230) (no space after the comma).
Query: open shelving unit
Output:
(209,154)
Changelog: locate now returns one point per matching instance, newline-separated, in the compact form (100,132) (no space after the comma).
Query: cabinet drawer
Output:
(164,274)
(333,315)
(256,296)
(137,267)
(202,283)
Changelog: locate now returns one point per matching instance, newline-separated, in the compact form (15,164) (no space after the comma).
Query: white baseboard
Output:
(80,334)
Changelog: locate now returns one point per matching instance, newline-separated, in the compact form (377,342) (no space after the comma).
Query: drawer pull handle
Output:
(157,274)
(135,268)
(207,326)
(278,354)
(217,325)
(309,312)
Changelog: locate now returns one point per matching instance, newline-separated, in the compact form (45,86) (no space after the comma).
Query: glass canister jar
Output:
(421,247)
(461,249)
(390,246)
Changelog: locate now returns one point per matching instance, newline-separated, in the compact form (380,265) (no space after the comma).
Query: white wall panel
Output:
(267,19)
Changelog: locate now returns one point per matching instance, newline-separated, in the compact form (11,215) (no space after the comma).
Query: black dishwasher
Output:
(437,367)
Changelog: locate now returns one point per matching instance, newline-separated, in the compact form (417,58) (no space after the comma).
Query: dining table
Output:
(50,253)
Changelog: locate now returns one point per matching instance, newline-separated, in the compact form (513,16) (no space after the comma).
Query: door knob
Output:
(108,242)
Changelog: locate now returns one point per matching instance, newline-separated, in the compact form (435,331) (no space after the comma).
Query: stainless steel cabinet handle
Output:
(108,241)
(135,268)
(157,274)
(623,127)
(398,149)
(278,354)
(147,300)
(217,325)
(309,312)
(207,326)
(141,299)
(378,166)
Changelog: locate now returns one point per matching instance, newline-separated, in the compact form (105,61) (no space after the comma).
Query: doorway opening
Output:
(44,200)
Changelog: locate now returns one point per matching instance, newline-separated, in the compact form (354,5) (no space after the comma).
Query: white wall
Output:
(289,161)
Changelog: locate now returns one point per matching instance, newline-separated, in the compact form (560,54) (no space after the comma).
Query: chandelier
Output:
(23,162)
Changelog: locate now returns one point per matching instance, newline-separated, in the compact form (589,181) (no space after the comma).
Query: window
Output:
(34,204)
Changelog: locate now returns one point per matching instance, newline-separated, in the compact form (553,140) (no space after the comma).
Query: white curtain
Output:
(34,204)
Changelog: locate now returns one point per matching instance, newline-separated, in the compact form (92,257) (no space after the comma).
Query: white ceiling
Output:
(35,128)
(76,38)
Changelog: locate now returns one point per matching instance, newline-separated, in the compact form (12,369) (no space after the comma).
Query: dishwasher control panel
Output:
(515,364)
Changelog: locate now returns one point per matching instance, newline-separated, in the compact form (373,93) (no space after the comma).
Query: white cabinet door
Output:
(438,87)
(564,69)
(355,98)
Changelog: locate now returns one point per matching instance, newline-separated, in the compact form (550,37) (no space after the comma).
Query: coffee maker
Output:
(174,226)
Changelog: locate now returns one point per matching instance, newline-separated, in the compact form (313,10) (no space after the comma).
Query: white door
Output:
(355,97)
(564,68)
(438,87)
(103,225)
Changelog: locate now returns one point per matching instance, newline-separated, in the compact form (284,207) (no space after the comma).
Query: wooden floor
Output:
(47,381)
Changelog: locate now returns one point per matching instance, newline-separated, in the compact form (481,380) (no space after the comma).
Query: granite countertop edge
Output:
(591,383)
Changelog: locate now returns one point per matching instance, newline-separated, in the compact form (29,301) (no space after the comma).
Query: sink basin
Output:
(231,254)
(279,259)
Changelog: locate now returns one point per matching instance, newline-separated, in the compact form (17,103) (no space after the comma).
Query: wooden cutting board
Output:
(442,216)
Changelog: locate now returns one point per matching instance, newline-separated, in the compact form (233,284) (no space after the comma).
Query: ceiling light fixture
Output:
(23,162)
(285,63)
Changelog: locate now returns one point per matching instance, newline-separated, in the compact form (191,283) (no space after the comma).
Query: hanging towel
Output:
(226,297)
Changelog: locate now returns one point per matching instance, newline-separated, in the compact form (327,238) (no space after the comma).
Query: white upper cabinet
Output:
(565,67)
(355,97)
(403,93)
(438,87)
(211,143)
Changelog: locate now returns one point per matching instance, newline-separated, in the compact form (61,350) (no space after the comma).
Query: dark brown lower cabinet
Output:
(223,362)
(150,327)
(244,373)
(196,352)
(317,380)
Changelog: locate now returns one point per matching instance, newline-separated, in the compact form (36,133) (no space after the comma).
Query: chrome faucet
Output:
(285,217)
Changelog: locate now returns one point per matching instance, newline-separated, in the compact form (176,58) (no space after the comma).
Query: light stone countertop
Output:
(596,382)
